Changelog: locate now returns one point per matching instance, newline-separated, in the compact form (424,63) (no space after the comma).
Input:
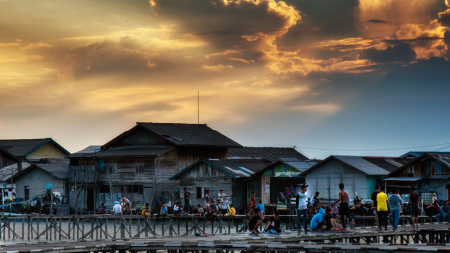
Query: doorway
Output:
(90,199)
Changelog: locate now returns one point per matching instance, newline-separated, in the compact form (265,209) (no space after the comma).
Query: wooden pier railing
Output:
(82,227)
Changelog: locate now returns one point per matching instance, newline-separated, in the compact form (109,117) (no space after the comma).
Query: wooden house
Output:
(213,174)
(34,149)
(138,163)
(33,181)
(427,172)
(7,158)
(264,184)
(359,175)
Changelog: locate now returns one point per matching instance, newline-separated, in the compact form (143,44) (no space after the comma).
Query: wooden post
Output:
(60,228)
(114,235)
(23,225)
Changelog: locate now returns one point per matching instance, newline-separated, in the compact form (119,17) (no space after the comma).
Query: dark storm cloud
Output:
(398,53)
(378,21)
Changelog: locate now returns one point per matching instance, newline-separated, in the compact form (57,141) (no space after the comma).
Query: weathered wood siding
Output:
(5,160)
(37,179)
(49,150)
(189,155)
(326,179)
(203,175)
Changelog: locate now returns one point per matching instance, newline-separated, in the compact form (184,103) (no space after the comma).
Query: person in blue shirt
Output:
(163,212)
(260,206)
(395,202)
(443,214)
(317,222)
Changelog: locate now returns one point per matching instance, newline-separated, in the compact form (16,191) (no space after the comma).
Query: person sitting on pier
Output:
(102,209)
(117,209)
(222,208)
(163,212)
(177,209)
(250,213)
(146,212)
(331,221)
(443,214)
(232,211)
(274,223)
(159,202)
(255,222)
(126,202)
(212,212)
(199,211)
(317,222)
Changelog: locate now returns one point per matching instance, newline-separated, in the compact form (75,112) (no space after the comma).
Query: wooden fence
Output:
(81,227)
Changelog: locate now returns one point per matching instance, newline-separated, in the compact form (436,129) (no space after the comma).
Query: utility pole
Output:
(198,107)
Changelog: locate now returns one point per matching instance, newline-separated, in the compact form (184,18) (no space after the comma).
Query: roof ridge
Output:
(162,123)
(267,147)
(25,139)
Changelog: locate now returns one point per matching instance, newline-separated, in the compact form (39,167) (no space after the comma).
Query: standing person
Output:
(302,208)
(117,209)
(394,203)
(126,202)
(274,223)
(260,206)
(343,198)
(207,198)
(414,200)
(212,211)
(382,209)
(448,203)
(187,205)
(252,200)
(222,197)
(374,204)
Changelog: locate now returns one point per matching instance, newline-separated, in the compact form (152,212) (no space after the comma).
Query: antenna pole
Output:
(198,107)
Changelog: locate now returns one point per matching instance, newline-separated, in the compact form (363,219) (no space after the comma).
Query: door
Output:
(90,199)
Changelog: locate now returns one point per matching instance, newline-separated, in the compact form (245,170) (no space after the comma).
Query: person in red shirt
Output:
(253,200)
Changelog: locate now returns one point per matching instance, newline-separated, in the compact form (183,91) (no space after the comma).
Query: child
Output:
(232,211)
(207,198)
(102,209)
(146,212)
(177,209)
(199,210)
(163,212)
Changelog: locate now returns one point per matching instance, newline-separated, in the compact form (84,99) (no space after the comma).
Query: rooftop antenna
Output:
(198,107)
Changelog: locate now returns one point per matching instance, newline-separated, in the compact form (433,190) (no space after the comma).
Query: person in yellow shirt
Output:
(382,199)
(232,211)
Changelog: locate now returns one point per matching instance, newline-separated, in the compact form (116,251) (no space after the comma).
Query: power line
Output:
(357,150)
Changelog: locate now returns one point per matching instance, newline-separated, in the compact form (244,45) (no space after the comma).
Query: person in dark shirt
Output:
(187,205)
(102,209)
(274,223)
(374,204)
(255,221)
(211,212)
(414,200)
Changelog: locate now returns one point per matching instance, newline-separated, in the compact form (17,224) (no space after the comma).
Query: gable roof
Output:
(420,153)
(183,134)
(58,171)
(298,165)
(439,157)
(11,156)
(372,166)
(269,153)
(25,147)
(134,150)
(7,172)
(233,168)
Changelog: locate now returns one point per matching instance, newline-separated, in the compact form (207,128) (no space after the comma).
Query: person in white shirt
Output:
(302,209)
(222,197)
(117,208)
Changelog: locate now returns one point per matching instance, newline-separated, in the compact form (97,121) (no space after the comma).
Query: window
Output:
(140,167)
(135,189)
(27,192)
(112,168)
(200,193)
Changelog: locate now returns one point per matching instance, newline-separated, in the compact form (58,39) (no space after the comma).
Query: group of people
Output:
(118,208)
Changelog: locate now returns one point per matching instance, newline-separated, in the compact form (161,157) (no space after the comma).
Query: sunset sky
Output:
(330,74)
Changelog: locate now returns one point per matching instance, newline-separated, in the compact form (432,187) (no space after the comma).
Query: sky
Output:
(326,74)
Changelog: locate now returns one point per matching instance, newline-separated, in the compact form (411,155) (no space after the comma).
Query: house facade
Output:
(138,163)
(34,149)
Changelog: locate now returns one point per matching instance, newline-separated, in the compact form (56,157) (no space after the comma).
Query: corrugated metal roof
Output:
(272,154)
(388,163)
(24,147)
(412,179)
(362,165)
(58,171)
(419,153)
(8,171)
(301,166)
(135,150)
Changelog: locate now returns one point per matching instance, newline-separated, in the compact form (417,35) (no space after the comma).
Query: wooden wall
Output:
(189,155)
(49,150)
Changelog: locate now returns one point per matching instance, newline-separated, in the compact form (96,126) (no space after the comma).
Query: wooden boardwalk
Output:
(430,237)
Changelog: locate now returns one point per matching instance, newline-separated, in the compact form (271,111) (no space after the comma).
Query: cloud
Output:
(397,53)
(378,21)
(262,83)
(216,68)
